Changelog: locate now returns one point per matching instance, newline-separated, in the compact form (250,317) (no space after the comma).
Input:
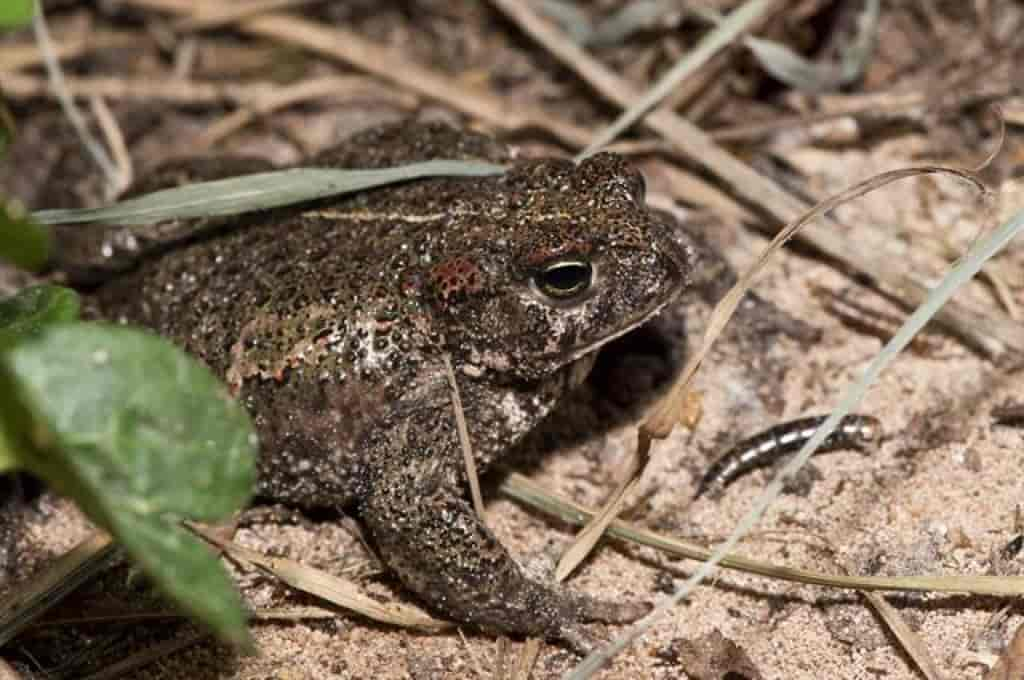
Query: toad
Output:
(331,322)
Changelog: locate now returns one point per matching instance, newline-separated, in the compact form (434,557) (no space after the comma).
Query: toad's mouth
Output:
(584,359)
(580,369)
(591,349)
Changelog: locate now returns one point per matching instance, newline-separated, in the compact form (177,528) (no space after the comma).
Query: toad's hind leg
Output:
(436,544)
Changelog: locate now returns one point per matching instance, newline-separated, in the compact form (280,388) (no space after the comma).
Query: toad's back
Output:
(317,318)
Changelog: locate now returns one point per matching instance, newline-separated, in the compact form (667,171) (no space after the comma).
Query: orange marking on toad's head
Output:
(455,277)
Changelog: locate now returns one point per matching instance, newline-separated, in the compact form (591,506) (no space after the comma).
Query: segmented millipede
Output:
(765,448)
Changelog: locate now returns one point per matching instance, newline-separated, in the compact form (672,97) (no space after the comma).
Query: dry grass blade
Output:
(335,590)
(131,616)
(588,537)
(467,446)
(258,191)
(25,603)
(525,491)
(1010,665)
(797,72)
(115,142)
(26,85)
(911,641)
(473,658)
(500,654)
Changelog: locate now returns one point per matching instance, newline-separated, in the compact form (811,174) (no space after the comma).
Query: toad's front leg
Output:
(429,535)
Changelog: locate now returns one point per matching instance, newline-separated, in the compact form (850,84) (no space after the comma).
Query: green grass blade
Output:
(259,191)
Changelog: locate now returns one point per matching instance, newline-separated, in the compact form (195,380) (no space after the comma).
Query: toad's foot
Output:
(441,551)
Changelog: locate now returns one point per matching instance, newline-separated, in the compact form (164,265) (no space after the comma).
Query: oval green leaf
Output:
(149,424)
(23,242)
(30,310)
(140,435)
(187,571)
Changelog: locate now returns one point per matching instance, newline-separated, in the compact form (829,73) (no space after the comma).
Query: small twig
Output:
(91,144)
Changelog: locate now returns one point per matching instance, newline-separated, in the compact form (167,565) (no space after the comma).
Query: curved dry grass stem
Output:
(665,413)
(528,492)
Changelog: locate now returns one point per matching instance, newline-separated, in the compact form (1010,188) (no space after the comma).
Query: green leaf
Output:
(33,308)
(14,13)
(259,191)
(141,435)
(15,422)
(187,571)
(145,419)
(22,241)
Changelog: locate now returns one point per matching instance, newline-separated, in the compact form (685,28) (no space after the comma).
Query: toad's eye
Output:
(564,279)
